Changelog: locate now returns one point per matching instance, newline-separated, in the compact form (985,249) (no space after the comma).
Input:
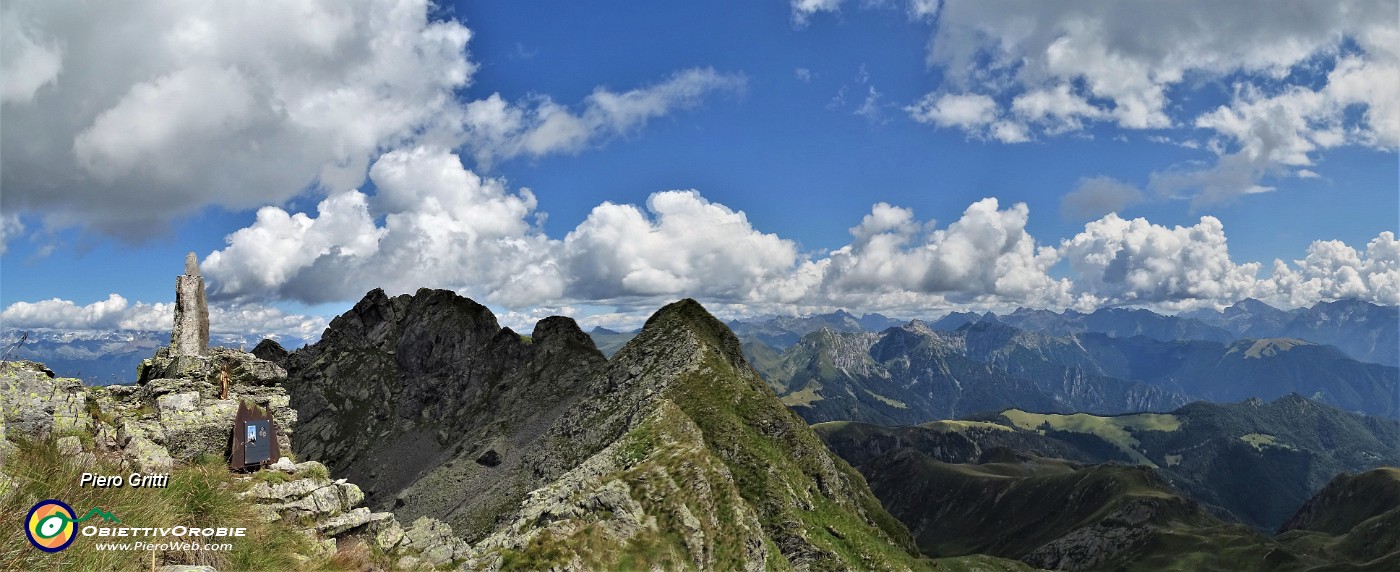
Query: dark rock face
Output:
(490,458)
(272,351)
(397,388)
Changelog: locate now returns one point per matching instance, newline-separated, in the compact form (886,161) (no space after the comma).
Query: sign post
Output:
(253,442)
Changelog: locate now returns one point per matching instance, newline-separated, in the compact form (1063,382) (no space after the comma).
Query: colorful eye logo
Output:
(50,526)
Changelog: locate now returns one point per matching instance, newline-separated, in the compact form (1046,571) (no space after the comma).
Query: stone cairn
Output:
(191,334)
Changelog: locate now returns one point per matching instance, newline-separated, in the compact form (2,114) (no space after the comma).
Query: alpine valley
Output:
(1118,440)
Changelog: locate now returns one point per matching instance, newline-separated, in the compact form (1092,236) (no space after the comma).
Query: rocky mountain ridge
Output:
(569,460)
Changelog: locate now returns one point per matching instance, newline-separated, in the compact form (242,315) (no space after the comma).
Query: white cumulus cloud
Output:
(986,252)
(681,245)
(1120,261)
(1332,270)
(57,313)
(443,226)
(124,116)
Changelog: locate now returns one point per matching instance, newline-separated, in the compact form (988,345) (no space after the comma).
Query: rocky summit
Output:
(416,397)
(544,455)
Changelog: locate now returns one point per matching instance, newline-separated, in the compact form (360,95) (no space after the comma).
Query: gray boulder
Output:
(33,401)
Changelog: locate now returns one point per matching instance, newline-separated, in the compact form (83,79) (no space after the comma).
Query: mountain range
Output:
(102,357)
(914,373)
(1364,331)
(1134,491)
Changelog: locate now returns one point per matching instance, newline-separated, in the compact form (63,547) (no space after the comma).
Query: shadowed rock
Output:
(270,350)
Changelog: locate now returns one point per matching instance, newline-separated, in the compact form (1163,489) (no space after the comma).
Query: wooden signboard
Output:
(253,442)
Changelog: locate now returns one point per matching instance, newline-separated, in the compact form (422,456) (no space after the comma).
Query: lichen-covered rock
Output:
(435,542)
(355,519)
(283,464)
(189,392)
(70,446)
(147,456)
(323,501)
(350,494)
(389,538)
(35,402)
(202,427)
(178,402)
(285,492)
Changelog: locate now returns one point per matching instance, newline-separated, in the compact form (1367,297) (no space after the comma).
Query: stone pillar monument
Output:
(191,334)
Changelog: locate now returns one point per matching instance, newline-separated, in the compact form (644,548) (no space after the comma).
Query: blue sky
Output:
(802,117)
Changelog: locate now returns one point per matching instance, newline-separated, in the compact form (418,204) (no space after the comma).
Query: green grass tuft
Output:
(200,494)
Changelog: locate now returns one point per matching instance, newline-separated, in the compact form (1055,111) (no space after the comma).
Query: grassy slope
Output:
(1362,517)
(1113,429)
(1354,518)
(1004,509)
(715,444)
(200,494)
(780,466)
(1010,510)
(1220,453)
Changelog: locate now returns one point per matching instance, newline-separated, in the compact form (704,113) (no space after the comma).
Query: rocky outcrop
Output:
(1092,546)
(186,403)
(271,351)
(328,511)
(33,402)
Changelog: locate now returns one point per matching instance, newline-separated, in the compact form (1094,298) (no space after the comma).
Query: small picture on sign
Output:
(253,439)
(259,445)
